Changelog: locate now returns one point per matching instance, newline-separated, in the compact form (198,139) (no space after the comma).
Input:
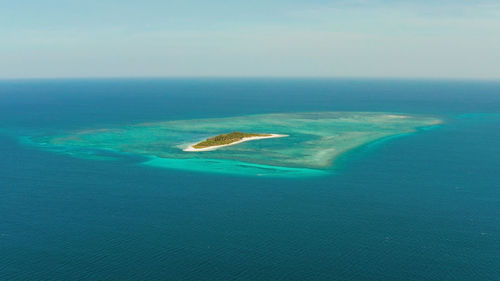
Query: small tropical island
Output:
(223,140)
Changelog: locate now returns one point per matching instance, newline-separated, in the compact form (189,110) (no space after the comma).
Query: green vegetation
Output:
(226,139)
(319,138)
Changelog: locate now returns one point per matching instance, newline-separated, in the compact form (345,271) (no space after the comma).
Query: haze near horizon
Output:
(110,38)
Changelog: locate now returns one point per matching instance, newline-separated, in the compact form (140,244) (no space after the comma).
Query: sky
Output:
(259,38)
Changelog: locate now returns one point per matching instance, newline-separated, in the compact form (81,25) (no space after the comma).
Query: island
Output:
(223,140)
(319,139)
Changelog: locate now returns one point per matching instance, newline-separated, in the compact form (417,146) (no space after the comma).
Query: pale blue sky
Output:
(122,38)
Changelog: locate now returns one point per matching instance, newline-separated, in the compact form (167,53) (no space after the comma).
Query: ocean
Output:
(420,206)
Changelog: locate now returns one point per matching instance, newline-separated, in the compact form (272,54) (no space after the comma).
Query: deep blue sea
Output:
(425,206)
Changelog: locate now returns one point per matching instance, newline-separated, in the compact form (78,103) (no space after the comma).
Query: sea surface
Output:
(311,144)
(419,206)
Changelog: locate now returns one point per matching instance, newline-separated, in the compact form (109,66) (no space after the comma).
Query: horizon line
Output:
(485,79)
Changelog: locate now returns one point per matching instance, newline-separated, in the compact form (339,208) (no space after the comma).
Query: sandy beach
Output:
(190,148)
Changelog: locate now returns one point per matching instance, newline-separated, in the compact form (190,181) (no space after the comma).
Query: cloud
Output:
(372,39)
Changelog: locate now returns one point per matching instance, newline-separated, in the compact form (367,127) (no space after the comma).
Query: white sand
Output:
(210,148)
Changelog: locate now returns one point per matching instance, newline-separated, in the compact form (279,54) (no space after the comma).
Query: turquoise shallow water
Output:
(313,141)
(232,167)
(416,205)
